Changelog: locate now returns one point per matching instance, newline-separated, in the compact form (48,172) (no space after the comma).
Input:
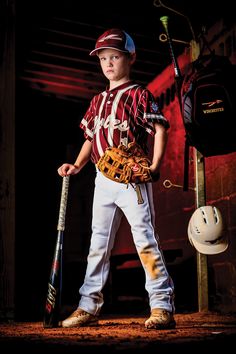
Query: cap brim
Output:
(95,51)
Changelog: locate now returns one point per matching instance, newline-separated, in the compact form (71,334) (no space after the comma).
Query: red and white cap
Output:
(114,39)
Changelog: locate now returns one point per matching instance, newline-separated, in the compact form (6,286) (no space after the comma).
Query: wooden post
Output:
(202,271)
(200,195)
(7,162)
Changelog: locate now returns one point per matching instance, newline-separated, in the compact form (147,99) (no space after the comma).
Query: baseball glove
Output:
(125,164)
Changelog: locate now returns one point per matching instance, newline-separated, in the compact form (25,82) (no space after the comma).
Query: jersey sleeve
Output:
(149,113)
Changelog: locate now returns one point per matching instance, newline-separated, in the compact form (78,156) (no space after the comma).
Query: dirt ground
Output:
(195,332)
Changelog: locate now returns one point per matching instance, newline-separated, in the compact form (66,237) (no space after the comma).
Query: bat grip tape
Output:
(63,203)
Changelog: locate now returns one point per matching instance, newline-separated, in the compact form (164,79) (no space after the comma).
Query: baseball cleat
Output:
(160,319)
(80,318)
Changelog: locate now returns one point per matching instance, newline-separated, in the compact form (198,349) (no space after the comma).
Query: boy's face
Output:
(115,64)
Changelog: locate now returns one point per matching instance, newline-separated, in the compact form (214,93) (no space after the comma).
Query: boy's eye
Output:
(113,58)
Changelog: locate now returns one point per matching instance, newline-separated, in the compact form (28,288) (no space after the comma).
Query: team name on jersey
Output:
(110,122)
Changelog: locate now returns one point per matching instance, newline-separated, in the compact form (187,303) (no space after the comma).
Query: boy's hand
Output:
(67,169)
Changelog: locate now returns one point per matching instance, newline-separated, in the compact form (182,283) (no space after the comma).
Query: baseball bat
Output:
(178,83)
(164,20)
(177,73)
(53,300)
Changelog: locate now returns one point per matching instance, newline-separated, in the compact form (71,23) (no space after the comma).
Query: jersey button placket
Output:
(110,99)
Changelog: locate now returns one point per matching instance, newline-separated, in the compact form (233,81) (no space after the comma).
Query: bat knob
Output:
(164,21)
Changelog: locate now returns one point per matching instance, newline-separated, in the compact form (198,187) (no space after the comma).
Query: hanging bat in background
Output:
(178,76)
(53,301)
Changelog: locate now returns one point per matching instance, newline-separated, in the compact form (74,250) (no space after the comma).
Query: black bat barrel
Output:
(53,300)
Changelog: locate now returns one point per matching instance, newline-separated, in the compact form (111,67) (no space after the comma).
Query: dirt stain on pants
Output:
(150,263)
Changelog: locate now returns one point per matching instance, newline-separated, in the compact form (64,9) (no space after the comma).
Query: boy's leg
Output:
(141,219)
(106,220)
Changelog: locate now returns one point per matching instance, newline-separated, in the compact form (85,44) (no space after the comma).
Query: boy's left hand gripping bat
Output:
(53,301)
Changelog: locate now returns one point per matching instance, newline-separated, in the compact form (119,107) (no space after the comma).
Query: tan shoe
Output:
(80,318)
(160,319)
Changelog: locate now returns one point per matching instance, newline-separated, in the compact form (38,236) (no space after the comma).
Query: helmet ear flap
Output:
(206,230)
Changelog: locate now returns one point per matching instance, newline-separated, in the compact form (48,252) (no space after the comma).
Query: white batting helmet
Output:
(205,230)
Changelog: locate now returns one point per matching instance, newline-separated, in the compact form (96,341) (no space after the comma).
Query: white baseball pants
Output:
(110,198)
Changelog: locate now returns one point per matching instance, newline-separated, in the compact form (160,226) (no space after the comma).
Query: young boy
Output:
(123,113)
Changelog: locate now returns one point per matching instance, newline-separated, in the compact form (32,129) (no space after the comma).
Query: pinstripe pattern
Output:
(137,111)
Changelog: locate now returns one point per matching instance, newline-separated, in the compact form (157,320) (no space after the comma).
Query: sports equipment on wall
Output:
(207,95)
(205,230)
(53,301)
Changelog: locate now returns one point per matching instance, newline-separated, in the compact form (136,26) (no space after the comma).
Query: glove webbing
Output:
(125,164)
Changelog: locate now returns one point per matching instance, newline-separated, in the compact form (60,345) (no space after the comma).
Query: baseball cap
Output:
(114,38)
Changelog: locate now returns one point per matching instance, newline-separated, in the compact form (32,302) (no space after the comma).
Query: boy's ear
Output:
(132,58)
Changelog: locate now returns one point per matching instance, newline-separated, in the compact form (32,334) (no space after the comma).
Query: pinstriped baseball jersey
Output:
(119,116)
